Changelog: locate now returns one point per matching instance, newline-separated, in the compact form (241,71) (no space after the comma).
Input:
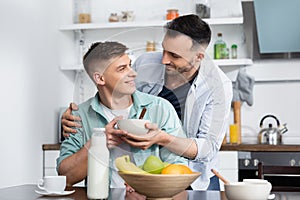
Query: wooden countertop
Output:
(226,147)
(261,147)
(50,147)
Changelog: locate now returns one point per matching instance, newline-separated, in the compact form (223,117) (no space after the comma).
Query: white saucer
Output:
(45,193)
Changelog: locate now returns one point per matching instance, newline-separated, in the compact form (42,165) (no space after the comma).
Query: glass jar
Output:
(82,11)
(150,46)
(113,17)
(203,8)
(172,14)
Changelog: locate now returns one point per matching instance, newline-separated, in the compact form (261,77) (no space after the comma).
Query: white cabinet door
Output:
(228,163)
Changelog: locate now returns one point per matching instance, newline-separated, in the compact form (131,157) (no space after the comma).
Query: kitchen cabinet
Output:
(228,166)
(78,35)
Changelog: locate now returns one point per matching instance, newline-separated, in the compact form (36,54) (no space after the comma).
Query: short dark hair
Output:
(192,26)
(99,52)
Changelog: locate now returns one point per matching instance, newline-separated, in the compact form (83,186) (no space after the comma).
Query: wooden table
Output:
(27,192)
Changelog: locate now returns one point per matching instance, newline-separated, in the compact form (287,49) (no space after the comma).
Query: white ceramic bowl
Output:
(134,126)
(251,190)
(255,181)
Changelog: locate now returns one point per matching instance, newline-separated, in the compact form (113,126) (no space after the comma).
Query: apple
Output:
(153,165)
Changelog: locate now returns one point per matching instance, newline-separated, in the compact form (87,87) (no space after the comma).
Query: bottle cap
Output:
(98,129)
(234,46)
(219,34)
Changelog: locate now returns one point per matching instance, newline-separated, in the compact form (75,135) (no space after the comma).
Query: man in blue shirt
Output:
(196,87)
(109,67)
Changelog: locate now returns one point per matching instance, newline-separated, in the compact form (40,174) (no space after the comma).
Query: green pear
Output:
(153,165)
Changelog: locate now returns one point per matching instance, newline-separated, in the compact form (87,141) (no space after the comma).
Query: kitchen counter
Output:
(261,147)
(227,147)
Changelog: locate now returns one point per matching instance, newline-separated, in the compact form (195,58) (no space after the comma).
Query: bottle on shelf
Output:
(98,166)
(220,50)
(225,53)
(234,51)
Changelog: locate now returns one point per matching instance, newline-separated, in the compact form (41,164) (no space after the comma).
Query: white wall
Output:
(275,92)
(33,87)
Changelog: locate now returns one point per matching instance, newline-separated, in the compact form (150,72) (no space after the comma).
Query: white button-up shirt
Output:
(207,108)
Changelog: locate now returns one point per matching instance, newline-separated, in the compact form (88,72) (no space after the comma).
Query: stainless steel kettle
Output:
(271,135)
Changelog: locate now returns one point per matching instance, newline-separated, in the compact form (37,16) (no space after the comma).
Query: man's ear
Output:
(98,78)
(200,56)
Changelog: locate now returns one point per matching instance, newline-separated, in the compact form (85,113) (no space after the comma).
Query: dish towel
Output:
(243,88)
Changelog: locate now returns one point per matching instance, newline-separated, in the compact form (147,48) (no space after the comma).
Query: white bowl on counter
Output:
(249,189)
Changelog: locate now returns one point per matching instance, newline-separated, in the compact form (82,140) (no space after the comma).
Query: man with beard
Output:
(199,91)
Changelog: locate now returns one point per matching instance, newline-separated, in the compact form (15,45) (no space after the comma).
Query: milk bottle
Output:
(98,166)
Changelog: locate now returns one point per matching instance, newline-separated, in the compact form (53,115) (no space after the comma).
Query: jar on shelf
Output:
(203,8)
(82,11)
(172,14)
(127,16)
(113,17)
(150,46)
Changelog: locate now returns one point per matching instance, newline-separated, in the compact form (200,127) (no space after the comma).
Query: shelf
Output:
(146,24)
(143,24)
(224,21)
(233,62)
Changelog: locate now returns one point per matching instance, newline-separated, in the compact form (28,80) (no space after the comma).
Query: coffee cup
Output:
(52,184)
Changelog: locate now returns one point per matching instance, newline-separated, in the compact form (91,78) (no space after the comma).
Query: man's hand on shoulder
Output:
(69,121)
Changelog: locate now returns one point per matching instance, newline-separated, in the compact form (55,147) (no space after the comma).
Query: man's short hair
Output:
(192,26)
(100,55)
